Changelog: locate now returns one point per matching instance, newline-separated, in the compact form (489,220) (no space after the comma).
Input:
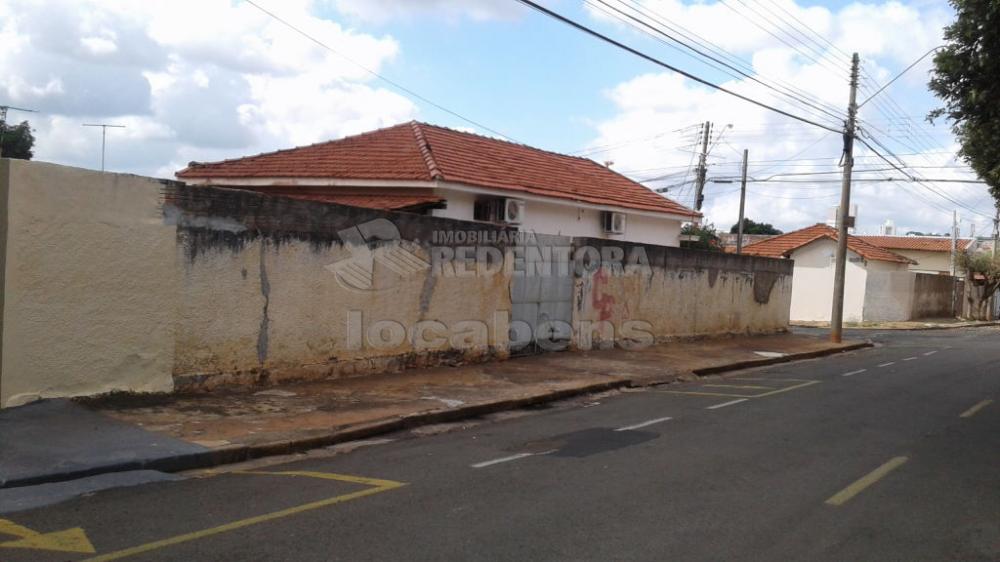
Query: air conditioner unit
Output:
(614,223)
(513,211)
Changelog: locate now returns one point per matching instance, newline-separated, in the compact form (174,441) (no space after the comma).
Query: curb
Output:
(242,453)
(909,329)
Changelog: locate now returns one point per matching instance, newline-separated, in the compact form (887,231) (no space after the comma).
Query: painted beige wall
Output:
(928,262)
(89,284)
(567,220)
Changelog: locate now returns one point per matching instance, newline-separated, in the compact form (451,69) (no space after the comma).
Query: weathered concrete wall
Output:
(118,282)
(274,289)
(894,294)
(90,286)
(683,292)
(932,296)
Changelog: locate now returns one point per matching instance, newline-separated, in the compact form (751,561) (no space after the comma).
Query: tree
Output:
(17,141)
(751,227)
(705,238)
(982,279)
(965,76)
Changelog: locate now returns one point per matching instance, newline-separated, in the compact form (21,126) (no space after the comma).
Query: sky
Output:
(211,79)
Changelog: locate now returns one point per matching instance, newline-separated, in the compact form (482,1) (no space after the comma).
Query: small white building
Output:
(420,168)
(930,254)
(879,285)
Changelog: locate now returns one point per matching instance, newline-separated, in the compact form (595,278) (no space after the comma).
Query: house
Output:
(879,284)
(422,168)
(932,254)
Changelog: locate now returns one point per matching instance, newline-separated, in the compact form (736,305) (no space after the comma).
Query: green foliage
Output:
(18,140)
(751,227)
(966,76)
(707,238)
(983,279)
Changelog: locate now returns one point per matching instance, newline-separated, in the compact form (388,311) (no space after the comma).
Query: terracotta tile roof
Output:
(782,246)
(418,151)
(921,243)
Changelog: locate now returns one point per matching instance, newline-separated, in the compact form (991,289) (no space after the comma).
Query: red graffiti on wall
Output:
(604,303)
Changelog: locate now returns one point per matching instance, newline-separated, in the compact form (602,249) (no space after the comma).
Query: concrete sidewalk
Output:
(226,426)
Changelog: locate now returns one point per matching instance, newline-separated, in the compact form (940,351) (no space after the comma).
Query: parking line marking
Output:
(748,387)
(910,359)
(972,411)
(377,486)
(643,424)
(859,485)
(931,352)
(724,404)
(887,364)
(852,373)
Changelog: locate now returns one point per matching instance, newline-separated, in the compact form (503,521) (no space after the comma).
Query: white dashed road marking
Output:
(910,359)
(852,373)
(643,424)
(887,364)
(484,464)
(724,404)
(931,352)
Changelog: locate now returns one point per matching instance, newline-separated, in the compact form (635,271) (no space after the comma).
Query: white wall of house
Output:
(812,283)
(567,219)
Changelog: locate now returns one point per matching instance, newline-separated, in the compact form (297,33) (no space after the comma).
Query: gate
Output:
(541,295)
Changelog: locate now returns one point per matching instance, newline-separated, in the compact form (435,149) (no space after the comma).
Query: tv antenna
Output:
(104,136)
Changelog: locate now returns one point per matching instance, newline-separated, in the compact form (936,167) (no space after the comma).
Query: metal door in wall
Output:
(542,295)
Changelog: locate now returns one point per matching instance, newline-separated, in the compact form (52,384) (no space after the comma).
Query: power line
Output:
(385,79)
(658,62)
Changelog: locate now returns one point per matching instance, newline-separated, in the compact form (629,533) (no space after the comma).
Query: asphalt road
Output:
(889,453)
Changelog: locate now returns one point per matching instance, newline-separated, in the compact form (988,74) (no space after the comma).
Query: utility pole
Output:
(3,121)
(843,214)
(954,244)
(996,232)
(743,201)
(104,136)
(699,194)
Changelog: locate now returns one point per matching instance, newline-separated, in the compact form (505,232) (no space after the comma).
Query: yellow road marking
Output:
(972,411)
(859,485)
(378,486)
(68,540)
(749,387)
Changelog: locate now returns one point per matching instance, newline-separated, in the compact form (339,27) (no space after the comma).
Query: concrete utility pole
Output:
(3,121)
(954,244)
(743,201)
(104,136)
(843,214)
(996,232)
(699,194)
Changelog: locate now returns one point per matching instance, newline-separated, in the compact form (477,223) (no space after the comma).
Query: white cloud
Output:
(380,11)
(229,82)
(653,129)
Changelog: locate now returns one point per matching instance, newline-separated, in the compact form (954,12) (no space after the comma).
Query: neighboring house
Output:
(729,240)
(932,254)
(416,167)
(879,285)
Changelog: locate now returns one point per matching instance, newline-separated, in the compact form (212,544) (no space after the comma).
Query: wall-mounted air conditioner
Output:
(513,211)
(614,223)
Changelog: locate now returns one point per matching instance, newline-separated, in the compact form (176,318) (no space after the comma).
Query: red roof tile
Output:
(783,245)
(418,151)
(921,243)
